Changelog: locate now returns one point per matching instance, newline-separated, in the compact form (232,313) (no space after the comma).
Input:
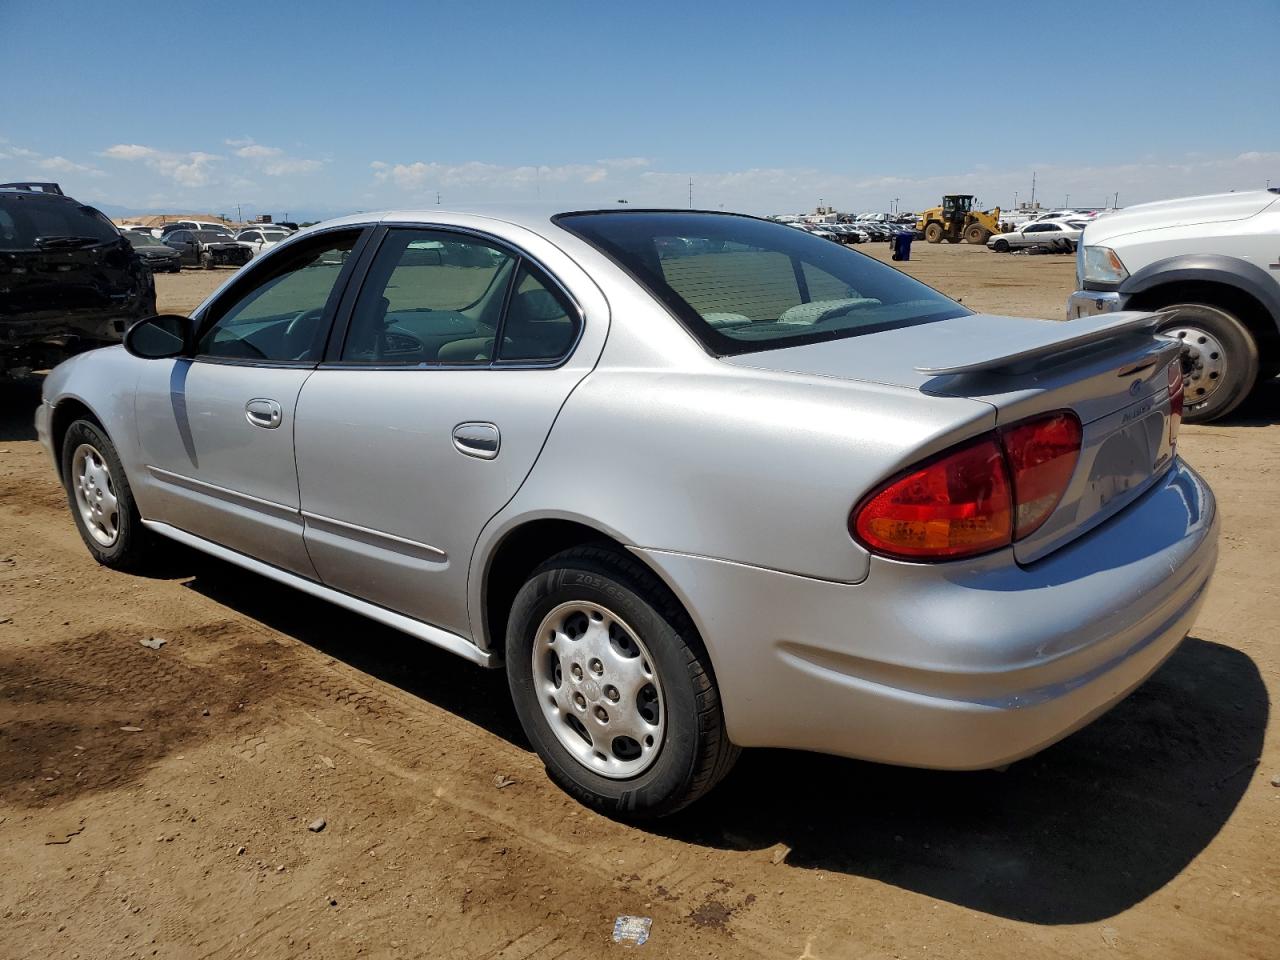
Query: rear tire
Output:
(1224,354)
(933,233)
(101,499)
(586,619)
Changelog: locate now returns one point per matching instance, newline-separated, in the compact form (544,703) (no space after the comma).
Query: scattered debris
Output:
(131,729)
(153,643)
(712,914)
(362,740)
(327,761)
(315,826)
(4,620)
(631,931)
(1110,936)
(502,780)
(280,868)
(63,834)
(333,901)
(204,712)
(780,854)
(1275,781)
(239,851)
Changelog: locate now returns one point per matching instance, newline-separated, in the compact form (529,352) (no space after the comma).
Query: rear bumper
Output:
(955,666)
(1087,303)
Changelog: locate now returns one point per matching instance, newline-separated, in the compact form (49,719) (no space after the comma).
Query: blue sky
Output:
(329,107)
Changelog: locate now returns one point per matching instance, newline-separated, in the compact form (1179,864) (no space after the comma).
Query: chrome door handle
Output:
(263,413)
(477,439)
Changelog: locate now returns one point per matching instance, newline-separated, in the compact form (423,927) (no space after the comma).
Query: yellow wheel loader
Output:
(956,220)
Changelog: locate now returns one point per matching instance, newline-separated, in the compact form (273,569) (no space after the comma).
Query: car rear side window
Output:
(540,325)
(740,284)
(431,296)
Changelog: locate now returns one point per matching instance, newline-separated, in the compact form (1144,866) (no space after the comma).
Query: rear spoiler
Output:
(1041,339)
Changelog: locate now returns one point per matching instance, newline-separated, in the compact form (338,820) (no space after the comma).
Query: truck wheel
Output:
(1221,354)
(613,686)
(976,234)
(933,233)
(206,261)
(1000,246)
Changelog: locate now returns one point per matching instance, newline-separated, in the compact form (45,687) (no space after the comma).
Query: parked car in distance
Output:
(1211,266)
(1055,234)
(160,257)
(260,239)
(208,248)
(152,232)
(775,493)
(68,280)
(168,228)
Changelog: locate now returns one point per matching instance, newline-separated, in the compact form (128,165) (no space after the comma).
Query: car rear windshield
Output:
(24,217)
(742,285)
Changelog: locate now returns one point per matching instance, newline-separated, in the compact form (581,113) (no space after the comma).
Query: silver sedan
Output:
(696,481)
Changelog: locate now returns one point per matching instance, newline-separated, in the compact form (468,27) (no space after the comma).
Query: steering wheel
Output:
(306,316)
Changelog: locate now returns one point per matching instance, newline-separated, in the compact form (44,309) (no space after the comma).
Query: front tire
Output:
(1224,358)
(613,686)
(1000,246)
(933,233)
(101,500)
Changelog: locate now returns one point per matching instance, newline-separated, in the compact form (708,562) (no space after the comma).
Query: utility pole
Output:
(1068,203)
(239,215)
(437,198)
(1015,199)
(1033,188)
(1116,204)
(691,193)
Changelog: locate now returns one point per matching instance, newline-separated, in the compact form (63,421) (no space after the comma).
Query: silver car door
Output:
(216,429)
(458,356)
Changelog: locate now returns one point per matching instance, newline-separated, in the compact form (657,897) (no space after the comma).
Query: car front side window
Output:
(280,313)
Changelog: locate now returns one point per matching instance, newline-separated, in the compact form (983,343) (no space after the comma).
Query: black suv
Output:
(68,280)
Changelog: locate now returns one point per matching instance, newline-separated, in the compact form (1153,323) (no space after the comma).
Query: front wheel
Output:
(1000,246)
(613,686)
(1220,358)
(933,233)
(101,500)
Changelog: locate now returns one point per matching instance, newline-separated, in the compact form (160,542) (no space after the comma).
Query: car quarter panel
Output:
(756,467)
(963,665)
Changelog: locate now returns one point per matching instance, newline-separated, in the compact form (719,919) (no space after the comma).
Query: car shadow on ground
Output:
(18,402)
(1078,833)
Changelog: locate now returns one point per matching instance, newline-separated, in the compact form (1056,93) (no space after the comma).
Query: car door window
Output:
(539,325)
(430,297)
(279,313)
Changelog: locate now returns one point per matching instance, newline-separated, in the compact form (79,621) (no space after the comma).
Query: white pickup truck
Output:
(1212,266)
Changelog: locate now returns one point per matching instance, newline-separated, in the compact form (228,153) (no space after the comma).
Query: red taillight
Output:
(1042,456)
(1176,396)
(976,498)
(954,506)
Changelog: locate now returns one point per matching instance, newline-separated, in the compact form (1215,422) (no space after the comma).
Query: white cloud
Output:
(58,164)
(191,169)
(272,161)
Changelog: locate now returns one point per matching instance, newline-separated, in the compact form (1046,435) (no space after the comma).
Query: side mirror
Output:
(161,337)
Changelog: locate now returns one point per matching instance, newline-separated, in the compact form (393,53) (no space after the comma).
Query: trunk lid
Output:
(1110,370)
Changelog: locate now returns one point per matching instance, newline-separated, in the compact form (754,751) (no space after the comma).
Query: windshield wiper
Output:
(43,242)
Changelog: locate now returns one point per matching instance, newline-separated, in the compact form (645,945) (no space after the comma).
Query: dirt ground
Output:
(157,802)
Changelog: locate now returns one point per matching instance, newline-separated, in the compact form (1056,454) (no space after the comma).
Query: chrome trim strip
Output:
(433,552)
(222,493)
(452,642)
